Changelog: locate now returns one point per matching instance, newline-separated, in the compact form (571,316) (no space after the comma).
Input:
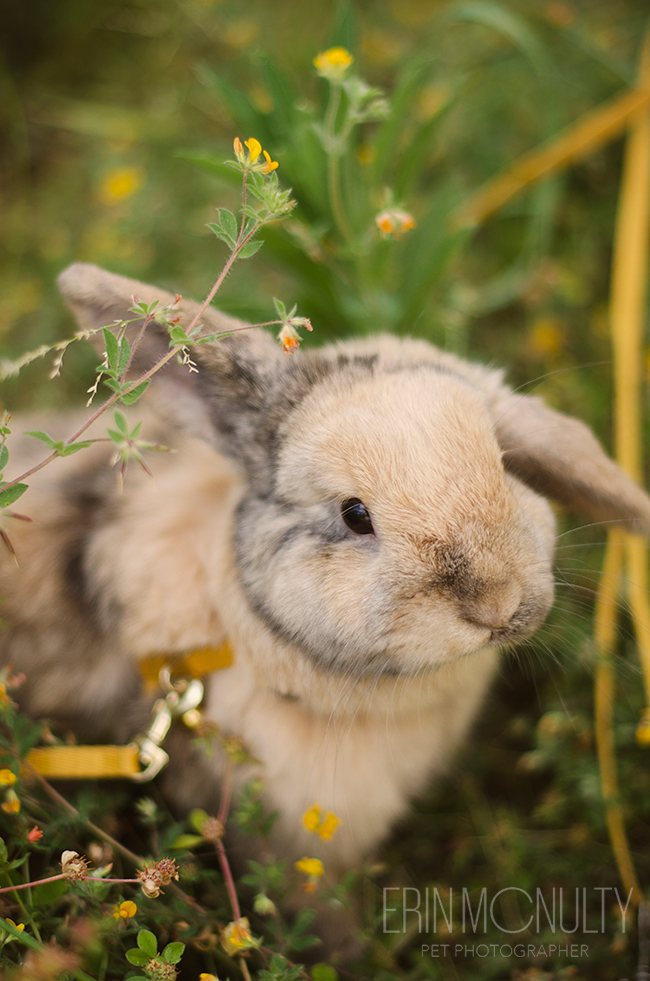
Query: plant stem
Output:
(36,882)
(333,148)
(137,860)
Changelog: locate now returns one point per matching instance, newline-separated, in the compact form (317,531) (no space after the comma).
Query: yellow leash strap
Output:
(84,762)
(111,762)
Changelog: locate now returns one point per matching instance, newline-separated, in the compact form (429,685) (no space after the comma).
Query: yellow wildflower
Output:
(254,149)
(249,161)
(120,184)
(237,936)
(334,63)
(125,910)
(270,164)
(312,818)
(547,337)
(394,221)
(329,826)
(19,926)
(11,804)
(7,778)
(313,868)
(310,866)
(325,826)
(208,977)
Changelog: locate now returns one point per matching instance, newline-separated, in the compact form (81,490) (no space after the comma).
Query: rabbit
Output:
(367,523)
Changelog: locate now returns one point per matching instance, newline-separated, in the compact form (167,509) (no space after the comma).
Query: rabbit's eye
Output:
(356,516)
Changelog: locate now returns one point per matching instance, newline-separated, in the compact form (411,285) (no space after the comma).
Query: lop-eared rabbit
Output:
(365,522)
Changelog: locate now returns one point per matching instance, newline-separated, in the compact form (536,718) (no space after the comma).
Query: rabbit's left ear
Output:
(561,458)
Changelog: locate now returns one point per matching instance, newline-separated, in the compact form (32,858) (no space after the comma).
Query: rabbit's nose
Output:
(494,611)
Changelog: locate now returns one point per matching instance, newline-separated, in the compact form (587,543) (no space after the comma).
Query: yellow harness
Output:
(179,678)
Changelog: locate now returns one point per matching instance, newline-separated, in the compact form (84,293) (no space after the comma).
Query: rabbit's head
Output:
(390,519)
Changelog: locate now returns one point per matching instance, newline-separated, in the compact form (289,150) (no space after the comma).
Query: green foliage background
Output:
(159,88)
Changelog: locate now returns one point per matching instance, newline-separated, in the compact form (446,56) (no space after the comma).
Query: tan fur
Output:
(360,661)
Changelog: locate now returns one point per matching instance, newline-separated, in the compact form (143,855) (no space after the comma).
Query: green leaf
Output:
(74,447)
(137,957)
(178,336)
(147,942)
(120,422)
(324,972)
(124,355)
(504,22)
(228,223)
(187,841)
(44,438)
(220,233)
(11,494)
(197,818)
(128,398)
(110,340)
(4,457)
(250,249)
(173,952)
(280,309)
(46,893)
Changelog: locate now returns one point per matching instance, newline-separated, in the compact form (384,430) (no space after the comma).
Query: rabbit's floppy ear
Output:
(224,400)
(561,458)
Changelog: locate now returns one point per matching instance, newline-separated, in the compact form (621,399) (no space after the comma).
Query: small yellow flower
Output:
(250,161)
(120,184)
(11,804)
(310,866)
(5,936)
(334,63)
(329,826)
(325,826)
(7,778)
(125,910)
(237,936)
(270,164)
(394,221)
(312,818)
(208,977)
(313,869)
(254,149)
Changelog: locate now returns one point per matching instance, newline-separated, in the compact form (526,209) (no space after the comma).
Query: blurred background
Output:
(115,117)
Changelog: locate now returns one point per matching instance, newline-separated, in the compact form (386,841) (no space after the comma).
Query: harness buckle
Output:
(182,696)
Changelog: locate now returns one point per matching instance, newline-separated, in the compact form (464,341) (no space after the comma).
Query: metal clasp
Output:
(181,700)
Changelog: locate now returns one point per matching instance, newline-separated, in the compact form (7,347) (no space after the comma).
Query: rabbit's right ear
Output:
(224,401)
(561,458)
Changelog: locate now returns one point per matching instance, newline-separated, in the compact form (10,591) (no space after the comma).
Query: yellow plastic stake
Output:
(595,129)
(604,697)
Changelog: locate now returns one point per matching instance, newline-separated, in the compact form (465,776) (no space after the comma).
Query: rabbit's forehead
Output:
(394,438)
